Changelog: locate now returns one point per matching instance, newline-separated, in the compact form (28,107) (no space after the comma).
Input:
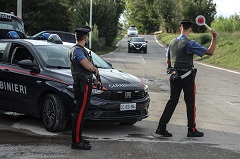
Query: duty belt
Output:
(186,74)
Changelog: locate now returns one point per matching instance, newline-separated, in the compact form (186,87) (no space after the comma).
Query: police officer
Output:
(180,65)
(82,72)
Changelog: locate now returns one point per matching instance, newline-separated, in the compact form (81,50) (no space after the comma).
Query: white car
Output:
(132,31)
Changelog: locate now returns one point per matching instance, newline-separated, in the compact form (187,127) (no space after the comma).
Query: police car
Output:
(35,79)
(9,23)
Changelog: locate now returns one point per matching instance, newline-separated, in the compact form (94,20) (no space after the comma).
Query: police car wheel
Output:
(128,123)
(53,114)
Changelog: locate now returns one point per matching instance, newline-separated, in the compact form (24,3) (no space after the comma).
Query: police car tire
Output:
(55,121)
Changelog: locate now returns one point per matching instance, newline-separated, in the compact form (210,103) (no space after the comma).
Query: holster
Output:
(82,83)
(173,73)
(194,73)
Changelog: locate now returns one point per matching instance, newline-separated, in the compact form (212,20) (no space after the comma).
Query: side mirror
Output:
(129,41)
(28,64)
(146,41)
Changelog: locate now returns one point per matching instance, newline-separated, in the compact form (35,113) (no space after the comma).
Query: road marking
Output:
(159,42)
(202,63)
(218,68)
(143,59)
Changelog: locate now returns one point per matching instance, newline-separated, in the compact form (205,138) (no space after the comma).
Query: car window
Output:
(54,55)
(9,24)
(57,55)
(99,62)
(20,53)
(2,48)
(137,40)
(67,37)
(132,29)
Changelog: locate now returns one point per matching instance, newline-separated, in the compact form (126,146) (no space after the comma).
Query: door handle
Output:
(5,70)
(38,82)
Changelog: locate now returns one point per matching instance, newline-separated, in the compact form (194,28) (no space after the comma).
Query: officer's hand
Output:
(214,33)
(96,72)
(97,83)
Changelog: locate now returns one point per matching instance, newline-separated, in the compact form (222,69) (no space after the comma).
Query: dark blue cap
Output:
(83,30)
(186,22)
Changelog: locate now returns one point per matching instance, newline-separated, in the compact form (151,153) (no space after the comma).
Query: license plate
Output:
(128,106)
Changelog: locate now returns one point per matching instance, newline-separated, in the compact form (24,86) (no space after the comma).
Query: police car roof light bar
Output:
(54,38)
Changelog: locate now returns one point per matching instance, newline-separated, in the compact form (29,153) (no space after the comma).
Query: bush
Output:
(205,39)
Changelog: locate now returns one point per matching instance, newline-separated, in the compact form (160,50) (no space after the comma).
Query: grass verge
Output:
(227,53)
(108,49)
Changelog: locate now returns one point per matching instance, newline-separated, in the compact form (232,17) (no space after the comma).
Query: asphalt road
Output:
(218,109)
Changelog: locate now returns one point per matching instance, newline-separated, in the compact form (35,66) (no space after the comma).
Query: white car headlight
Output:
(146,88)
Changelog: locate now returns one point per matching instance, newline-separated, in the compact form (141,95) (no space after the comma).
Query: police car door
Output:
(19,83)
(3,99)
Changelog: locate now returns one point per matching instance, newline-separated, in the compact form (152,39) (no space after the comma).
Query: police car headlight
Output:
(70,88)
(144,45)
(96,91)
(131,44)
(146,88)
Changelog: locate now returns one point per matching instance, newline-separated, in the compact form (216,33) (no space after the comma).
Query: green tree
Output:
(142,14)
(193,8)
(45,15)
(8,6)
(170,13)
(40,15)
(105,14)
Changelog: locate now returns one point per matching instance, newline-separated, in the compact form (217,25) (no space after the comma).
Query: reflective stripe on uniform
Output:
(79,121)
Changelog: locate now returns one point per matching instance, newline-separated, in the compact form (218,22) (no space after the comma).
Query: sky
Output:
(227,8)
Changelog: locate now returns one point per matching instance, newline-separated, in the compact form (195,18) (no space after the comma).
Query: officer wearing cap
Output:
(182,77)
(82,71)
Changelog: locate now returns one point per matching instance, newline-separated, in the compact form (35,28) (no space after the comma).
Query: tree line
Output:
(148,15)
(66,15)
(153,15)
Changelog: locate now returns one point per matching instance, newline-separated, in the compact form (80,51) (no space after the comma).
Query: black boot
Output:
(161,130)
(194,133)
(86,141)
(81,145)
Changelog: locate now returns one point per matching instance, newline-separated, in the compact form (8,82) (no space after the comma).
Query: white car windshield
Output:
(132,29)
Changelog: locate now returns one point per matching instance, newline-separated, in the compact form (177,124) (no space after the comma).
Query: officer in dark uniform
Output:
(82,72)
(182,77)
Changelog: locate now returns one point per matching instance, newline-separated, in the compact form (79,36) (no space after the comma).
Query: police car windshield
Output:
(57,56)
(99,62)
(54,55)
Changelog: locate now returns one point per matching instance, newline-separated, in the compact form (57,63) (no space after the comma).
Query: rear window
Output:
(9,24)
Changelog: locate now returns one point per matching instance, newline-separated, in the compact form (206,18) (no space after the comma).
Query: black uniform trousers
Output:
(82,100)
(188,86)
